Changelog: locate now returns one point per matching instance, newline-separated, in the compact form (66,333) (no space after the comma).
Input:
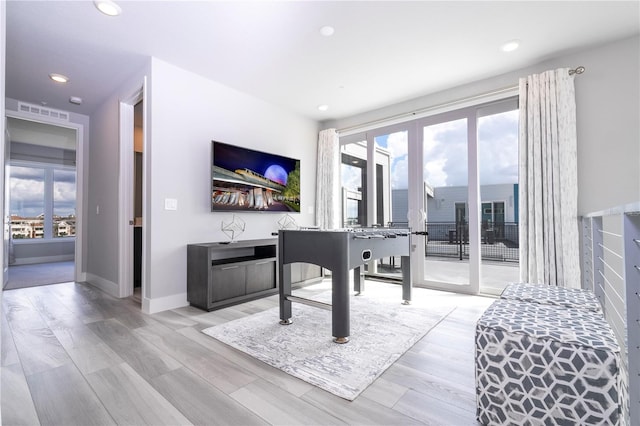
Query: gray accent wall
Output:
(608,107)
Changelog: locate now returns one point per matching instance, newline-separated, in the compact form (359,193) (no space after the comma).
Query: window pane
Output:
(392,178)
(445,154)
(392,202)
(445,175)
(353,174)
(498,169)
(26,192)
(64,203)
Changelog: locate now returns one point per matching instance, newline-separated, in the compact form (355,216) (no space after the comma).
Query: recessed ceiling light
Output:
(108,7)
(323,107)
(58,78)
(510,46)
(327,31)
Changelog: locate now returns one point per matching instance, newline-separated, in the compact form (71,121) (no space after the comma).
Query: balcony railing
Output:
(499,241)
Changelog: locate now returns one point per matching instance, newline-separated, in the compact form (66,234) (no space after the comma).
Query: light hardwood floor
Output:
(72,355)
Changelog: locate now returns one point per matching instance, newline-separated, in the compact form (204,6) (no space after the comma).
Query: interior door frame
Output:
(79,275)
(126,193)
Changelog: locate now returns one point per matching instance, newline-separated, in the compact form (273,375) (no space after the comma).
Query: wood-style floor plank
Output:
(201,402)
(433,411)
(384,392)
(131,400)
(35,343)
(17,406)
(9,353)
(72,354)
(62,396)
(92,358)
(143,357)
(361,411)
(218,371)
(277,408)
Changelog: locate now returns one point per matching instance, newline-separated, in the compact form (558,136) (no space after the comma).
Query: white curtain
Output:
(548,195)
(328,198)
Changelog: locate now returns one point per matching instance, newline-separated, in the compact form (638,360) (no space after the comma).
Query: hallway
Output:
(22,276)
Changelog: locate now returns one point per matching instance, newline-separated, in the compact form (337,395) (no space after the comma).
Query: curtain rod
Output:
(414,114)
(406,116)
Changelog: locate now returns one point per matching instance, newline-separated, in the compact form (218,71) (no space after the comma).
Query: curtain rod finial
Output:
(578,70)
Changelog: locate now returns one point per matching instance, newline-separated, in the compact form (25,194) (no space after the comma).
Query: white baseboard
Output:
(42,259)
(149,306)
(109,287)
(159,304)
(81,277)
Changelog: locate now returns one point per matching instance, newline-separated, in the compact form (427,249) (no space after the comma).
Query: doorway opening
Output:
(137,199)
(41,199)
(132,209)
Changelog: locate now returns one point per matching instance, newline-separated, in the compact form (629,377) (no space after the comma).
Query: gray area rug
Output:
(381,331)
(22,276)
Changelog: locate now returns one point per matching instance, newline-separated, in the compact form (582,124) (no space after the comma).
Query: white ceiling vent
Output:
(43,111)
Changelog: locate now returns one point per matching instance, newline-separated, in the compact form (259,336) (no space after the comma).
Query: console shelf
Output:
(225,274)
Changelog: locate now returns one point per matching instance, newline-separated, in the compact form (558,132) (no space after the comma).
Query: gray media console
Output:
(221,274)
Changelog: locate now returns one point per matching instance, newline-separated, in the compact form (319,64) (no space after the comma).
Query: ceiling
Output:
(381,52)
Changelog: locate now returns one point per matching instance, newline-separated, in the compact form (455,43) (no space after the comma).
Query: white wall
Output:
(608,116)
(102,191)
(608,107)
(187,112)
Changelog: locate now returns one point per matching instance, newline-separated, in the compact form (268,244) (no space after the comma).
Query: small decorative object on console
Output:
(233,228)
(287,222)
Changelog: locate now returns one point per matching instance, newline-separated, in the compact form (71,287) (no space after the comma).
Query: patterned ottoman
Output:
(542,364)
(552,295)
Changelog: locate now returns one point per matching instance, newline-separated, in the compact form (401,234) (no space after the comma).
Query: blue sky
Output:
(27,191)
(445,152)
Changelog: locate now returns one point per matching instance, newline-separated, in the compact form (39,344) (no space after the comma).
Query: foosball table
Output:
(339,251)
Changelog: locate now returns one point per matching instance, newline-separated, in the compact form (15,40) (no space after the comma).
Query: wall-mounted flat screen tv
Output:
(243,179)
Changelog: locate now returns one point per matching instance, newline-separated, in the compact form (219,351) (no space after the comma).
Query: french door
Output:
(453,175)
(448,257)
(375,192)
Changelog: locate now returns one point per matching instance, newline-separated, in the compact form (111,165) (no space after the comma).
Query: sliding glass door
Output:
(453,175)
(470,169)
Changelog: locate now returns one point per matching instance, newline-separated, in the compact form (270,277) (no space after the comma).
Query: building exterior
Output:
(449,204)
(33,227)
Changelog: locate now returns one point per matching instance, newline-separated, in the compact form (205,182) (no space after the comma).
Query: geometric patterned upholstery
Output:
(552,295)
(544,364)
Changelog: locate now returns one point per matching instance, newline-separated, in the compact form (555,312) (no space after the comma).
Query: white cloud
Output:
(498,148)
(398,147)
(400,174)
(445,153)
(351,177)
(27,191)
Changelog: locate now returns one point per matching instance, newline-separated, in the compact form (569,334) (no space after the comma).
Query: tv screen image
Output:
(244,179)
